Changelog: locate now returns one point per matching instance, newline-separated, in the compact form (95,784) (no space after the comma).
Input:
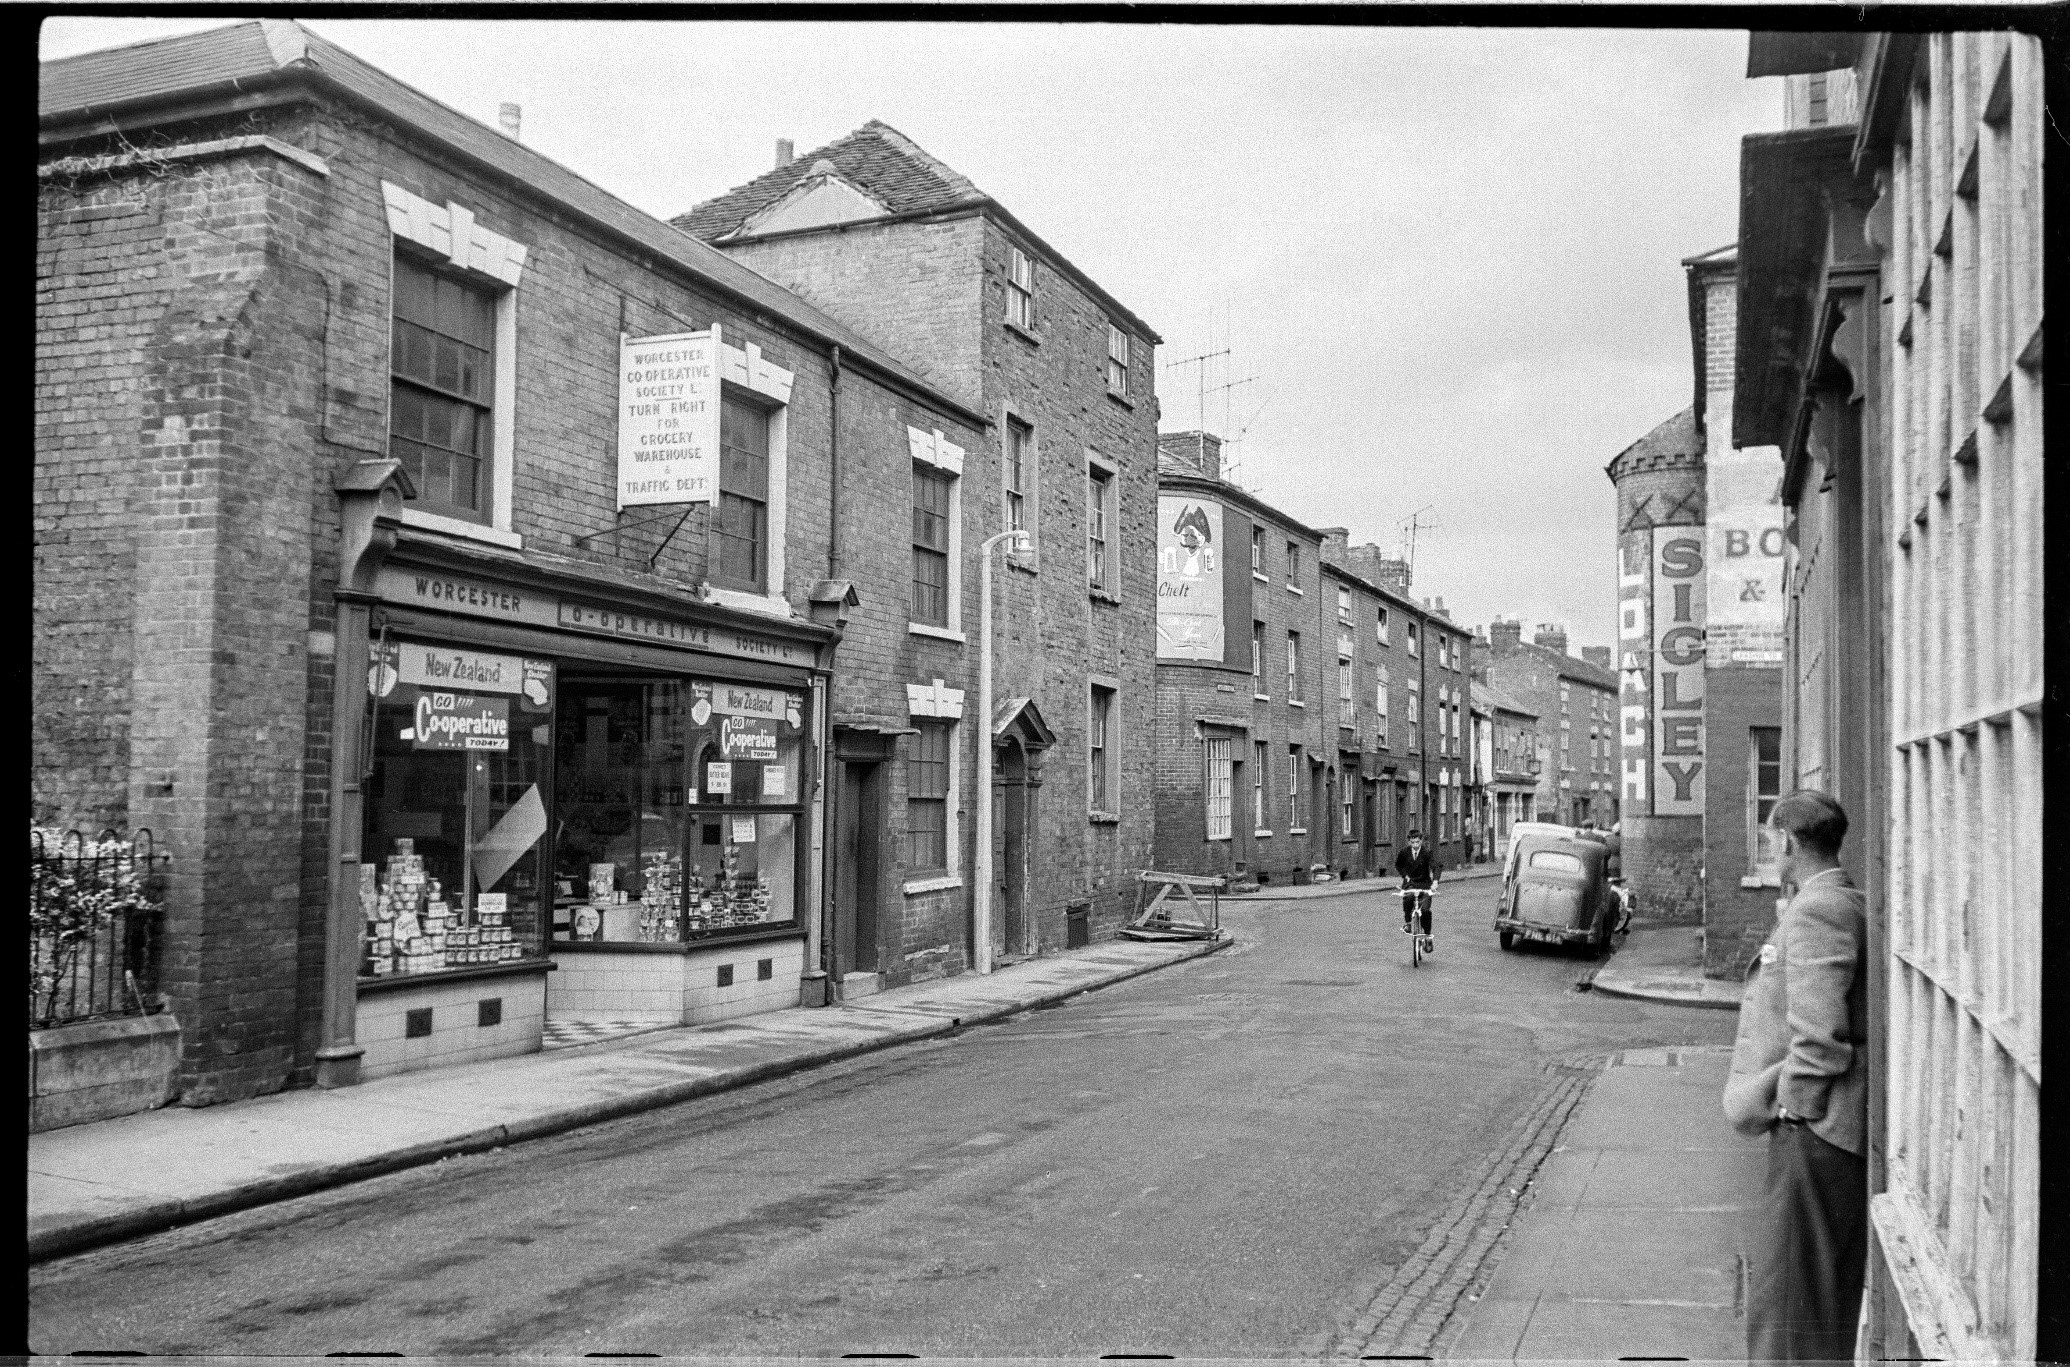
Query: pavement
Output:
(1342,887)
(1629,1244)
(118,1179)
(1663,962)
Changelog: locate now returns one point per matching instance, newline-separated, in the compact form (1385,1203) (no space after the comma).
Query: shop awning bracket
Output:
(614,532)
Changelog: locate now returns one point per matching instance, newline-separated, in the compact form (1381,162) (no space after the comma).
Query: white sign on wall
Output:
(1634,663)
(668,418)
(1189,579)
(1744,616)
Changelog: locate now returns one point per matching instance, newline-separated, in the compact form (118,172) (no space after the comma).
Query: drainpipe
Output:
(370,498)
(834,468)
(982,901)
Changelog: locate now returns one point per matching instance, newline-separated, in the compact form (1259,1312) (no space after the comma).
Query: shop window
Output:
(458,803)
(1102,518)
(741,531)
(927,796)
(442,387)
(1117,361)
(1020,289)
(931,545)
(680,806)
(1102,789)
(1220,778)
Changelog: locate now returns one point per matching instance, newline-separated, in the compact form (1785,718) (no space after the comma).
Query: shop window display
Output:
(457,802)
(680,802)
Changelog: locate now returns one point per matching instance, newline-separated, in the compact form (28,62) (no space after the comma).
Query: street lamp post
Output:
(982,893)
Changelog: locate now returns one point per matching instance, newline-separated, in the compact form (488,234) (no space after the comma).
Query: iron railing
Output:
(96,925)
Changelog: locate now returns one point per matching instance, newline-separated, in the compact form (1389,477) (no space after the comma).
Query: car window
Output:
(1556,861)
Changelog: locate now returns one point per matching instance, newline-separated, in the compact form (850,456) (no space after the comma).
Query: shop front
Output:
(578,809)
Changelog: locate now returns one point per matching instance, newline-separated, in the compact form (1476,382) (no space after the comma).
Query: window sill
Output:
(1027,335)
(1296,702)
(938,633)
(1102,596)
(1015,562)
(1261,697)
(1261,835)
(456,526)
(1261,578)
(1347,726)
(1297,830)
(1103,818)
(938,883)
(1297,589)
(768,605)
(1124,400)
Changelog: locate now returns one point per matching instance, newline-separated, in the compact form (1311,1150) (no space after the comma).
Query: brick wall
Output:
(1663,862)
(1736,918)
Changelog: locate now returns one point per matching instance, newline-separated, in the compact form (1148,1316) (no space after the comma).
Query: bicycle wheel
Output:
(1416,946)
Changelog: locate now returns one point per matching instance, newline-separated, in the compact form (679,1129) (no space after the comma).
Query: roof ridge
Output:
(286,39)
(949,174)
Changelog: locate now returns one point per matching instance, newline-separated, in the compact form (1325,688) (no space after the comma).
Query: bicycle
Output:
(1420,943)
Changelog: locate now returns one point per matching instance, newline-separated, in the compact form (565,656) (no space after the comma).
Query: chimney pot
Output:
(508,118)
(784,152)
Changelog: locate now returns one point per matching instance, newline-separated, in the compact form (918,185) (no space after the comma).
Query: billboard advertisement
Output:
(1189,579)
(1677,633)
(1635,666)
(1744,620)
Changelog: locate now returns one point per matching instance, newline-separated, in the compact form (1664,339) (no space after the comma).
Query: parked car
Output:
(1556,888)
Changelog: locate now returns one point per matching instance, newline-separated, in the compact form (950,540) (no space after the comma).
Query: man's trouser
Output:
(1409,902)
(1809,1251)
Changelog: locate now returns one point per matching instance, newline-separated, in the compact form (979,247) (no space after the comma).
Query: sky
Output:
(1445,262)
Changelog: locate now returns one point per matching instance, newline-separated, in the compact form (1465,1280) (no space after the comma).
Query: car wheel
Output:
(1506,937)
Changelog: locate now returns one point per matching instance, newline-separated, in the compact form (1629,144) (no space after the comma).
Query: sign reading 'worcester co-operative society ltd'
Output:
(668,418)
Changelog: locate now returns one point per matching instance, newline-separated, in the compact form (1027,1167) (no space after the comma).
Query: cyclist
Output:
(1418,869)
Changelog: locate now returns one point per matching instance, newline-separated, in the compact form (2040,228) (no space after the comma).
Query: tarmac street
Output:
(1294,1147)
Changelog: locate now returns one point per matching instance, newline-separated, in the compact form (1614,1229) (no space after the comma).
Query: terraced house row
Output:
(504,606)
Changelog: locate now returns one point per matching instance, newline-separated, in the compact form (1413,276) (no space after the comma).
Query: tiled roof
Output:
(1675,441)
(876,158)
(1495,697)
(1571,666)
(76,88)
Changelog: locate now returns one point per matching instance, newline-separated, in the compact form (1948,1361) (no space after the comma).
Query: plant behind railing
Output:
(95,908)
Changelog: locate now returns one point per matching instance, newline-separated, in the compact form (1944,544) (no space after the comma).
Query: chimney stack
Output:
(1336,547)
(1504,636)
(1190,453)
(784,152)
(1552,636)
(507,118)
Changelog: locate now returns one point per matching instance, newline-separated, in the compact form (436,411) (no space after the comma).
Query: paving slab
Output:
(1630,1246)
(115,1179)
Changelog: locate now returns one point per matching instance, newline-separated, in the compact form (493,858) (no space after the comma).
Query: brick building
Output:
(1890,317)
(1701,548)
(333,383)
(1575,704)
(905,249)
(1293,697)
(1513,765)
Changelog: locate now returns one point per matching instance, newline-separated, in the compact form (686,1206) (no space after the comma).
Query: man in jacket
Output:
(1418,868)
(1800,1076)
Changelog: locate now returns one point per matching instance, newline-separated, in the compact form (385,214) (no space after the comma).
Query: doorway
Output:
(856,839)
(1010,845)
